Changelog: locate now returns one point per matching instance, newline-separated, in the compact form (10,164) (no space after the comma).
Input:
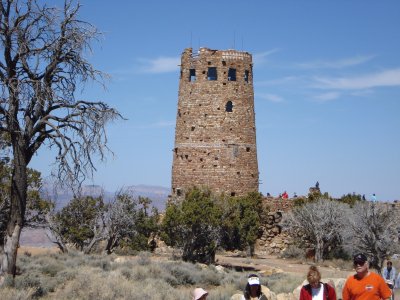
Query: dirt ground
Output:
(271,264)
(36,250)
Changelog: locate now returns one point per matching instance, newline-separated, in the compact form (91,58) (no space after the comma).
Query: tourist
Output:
(397,282)
(365,285)
(285,195)
(315,289)
(253,289)
(373,198)
(389,274)
(199,294)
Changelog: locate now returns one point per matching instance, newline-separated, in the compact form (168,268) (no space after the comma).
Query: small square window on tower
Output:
(212,73)
(232,74)
(192,76)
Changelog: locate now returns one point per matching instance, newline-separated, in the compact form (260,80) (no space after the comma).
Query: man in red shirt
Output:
(365,285)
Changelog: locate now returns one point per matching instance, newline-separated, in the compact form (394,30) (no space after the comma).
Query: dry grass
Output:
(78,276)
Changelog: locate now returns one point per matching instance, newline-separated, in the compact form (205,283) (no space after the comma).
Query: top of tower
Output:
(229,54)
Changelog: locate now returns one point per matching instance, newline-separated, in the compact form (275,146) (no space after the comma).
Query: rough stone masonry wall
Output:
(273,240)
(215,136)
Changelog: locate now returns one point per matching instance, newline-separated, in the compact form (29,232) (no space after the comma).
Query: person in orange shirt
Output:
(365,285)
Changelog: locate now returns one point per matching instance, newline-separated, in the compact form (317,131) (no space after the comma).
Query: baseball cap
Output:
(253,280)
(360,258)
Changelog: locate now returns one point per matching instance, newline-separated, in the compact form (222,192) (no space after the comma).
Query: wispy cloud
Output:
(336,64)
(159,65)
(380,79)
(277,81)
(327,96)
(261,57)
(270,97)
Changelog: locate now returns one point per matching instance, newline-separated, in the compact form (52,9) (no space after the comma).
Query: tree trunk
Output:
(17,212)
(319,250)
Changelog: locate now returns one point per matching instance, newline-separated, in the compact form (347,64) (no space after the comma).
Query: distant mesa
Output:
(62,196)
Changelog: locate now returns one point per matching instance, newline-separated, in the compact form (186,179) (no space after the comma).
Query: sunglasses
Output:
(359,263)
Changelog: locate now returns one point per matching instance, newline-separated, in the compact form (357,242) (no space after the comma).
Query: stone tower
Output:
(215,136)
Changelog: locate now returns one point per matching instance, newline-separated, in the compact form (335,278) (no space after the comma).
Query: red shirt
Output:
(329,292)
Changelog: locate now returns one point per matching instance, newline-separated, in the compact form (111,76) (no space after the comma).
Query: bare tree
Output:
(42,64)
(374,231)
(121,218)
(320,222)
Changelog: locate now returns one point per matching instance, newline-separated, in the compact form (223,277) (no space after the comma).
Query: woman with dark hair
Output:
(253,289)
(315,289)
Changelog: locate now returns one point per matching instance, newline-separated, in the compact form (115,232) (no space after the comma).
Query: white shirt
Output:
(318,293)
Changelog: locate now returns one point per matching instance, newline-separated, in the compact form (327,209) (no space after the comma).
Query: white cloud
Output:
(270,97)
(327,96)
(336,64)
(160,65)
(259,58)
(380,79)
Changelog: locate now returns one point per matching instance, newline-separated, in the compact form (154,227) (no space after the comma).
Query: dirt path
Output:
(271,264)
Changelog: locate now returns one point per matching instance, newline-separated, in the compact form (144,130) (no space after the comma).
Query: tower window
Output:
(232,74)
(246,75)
(229,106)
(212,73)
(192,76)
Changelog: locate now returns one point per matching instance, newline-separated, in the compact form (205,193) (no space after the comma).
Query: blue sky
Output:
(326,82)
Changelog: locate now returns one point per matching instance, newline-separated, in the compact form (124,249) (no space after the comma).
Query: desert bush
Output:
(10,293)
(52,268)
(293,252)
(78,276)
(283,282)
(144,258)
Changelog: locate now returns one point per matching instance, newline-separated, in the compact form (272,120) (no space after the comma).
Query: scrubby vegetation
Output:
(203,222)
(78,276)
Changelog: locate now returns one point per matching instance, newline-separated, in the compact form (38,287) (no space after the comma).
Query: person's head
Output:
(199,294)
(360,262)
(389,265)
(313,276)
(253,286)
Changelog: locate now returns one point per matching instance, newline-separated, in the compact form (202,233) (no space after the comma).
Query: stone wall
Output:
(273,240)
(215,136)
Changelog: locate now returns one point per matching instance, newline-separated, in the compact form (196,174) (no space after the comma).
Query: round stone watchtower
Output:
(215,136)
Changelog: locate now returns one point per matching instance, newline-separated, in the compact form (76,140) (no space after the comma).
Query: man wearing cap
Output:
(365,285)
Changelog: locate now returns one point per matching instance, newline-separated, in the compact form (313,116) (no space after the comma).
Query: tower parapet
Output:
(215,136)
